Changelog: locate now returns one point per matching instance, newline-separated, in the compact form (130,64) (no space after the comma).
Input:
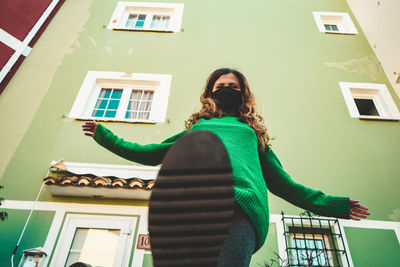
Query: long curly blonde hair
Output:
(247,110)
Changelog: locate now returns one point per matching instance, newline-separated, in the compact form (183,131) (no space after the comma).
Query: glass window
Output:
(96,247)
(107,103)
(366,107)
(160,22)
(112,96)
(135,21)
(331,27)
(139,106)
(313,241)
(338,22)
(308,250)
(162,17)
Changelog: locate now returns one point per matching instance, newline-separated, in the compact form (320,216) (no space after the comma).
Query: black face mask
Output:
(227,98)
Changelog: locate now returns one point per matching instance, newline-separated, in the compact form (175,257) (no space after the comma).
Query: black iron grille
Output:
(312,241)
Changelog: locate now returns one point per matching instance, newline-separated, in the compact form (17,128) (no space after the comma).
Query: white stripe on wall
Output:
(22,48)
(13,42)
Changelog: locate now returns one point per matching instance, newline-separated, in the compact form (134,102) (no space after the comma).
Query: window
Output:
(95,240)
(122,97)
(107,103)
(311,248)
(334,22)
(85,246)
(313,241)
(143,16)
(369,101)
(331,27)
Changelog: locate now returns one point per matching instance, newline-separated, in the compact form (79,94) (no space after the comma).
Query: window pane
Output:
(113,104)
(101,104)
(96,247)
(107,103)
(136,95)
(105,93)
(148,95)
(160,22)
(143,115)
(130,23)
(366,107)
(131,115)
(98,113)
(164,23)
(110,114)
(140,21)
(331,27)
(140,101)
(133,105)
(306,250)
(116,94)
(155,22)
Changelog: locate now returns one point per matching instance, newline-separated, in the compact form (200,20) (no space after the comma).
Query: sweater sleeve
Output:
(280,184)
(150,154)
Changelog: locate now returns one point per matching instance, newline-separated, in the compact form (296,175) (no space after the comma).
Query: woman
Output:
(227,119)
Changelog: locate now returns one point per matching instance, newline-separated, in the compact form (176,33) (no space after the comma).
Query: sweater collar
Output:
(230,117)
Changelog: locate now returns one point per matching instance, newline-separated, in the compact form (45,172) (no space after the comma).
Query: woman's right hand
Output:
(89,128)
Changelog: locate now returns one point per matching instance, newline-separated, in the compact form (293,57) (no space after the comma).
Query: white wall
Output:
(380,22)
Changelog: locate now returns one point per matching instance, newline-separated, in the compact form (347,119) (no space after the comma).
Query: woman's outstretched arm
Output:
(150,154)
(281,184)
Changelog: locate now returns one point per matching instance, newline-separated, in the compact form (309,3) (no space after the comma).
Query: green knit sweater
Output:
(253,172)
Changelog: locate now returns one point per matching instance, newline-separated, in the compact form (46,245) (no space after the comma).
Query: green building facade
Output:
(317,82)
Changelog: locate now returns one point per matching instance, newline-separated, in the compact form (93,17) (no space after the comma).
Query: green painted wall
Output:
(34,236)
(147,260)
(292,68)
(287,67)
(373,247)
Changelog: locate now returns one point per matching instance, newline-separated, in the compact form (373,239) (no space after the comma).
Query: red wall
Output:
(17,17)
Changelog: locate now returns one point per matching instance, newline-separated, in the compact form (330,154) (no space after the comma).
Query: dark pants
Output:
(240,243)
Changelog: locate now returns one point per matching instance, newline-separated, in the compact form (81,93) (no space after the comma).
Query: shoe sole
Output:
(191,205)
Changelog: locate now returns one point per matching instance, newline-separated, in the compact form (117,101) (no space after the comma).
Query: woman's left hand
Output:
(357,210)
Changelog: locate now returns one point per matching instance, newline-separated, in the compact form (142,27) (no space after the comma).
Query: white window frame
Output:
(379,93)
(340,19)
(124,9)
(96,80)
(73,221)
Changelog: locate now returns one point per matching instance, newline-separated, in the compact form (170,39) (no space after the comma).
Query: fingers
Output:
(359,214)
(359,210)
(89,124)
(356,204)
(90,134)
(362,207)
(89,128)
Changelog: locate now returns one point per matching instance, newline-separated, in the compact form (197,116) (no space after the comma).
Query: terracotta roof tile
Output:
(59,176)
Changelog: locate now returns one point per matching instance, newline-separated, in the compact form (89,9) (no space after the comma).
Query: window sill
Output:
(143,30)
(113,120)
(377,118)
(338,32)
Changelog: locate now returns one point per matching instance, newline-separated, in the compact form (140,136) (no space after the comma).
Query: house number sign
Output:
(143,242)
